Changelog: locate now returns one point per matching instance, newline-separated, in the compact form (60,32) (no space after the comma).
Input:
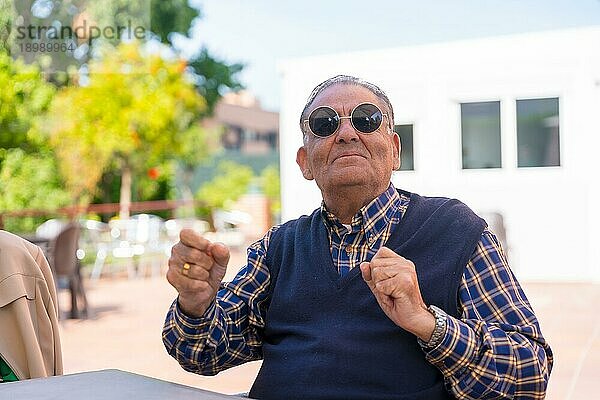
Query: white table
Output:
(110,384)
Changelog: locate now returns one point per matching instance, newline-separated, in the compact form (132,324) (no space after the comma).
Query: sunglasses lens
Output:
(323,121)
(367,118)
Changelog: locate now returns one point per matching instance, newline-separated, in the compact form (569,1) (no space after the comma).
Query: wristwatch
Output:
(441,322)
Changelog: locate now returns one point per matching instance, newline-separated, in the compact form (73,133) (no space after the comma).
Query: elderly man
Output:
(378,294)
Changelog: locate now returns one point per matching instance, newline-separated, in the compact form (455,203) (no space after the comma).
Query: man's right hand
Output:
(198,284)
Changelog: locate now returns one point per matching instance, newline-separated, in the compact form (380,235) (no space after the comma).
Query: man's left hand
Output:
(393,280)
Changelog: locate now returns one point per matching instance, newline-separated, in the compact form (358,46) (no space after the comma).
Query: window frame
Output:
(560,104)
(498,100)
(414,158)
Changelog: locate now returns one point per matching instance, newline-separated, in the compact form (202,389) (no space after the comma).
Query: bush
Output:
(29,181)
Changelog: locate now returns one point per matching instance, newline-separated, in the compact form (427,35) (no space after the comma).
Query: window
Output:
(480,126)
(406,147)
(249,136)
(271,138)
(537,133)
(232,138)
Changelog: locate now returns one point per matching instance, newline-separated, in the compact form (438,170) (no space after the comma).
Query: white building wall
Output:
(550,213)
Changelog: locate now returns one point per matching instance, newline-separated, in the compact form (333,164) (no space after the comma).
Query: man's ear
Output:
(396,149)
(302,161)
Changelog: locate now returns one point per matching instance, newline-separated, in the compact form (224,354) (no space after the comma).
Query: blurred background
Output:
(122,122)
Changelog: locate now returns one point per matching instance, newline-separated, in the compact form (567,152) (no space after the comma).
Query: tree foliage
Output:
(29,175)
(24,96)
(6,18)
(136,110)
(171,16)
(29,181)
(213,76)
(231,182)
(271,187)
(155,182)
(133,112)
(234,180)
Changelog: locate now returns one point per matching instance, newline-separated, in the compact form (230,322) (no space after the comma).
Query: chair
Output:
(149,234)
(138,240)
(66,266)
(174,226)
(50,228)
(96,238)
(495,221)
(46,233)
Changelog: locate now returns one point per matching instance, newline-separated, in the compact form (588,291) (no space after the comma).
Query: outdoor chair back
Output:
(66,266)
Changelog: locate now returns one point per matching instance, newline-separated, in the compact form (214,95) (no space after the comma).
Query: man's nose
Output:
(346,132)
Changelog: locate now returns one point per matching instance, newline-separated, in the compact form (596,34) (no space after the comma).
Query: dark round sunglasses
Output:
(324,121)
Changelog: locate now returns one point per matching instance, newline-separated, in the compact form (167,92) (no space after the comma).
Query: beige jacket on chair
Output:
(29,338)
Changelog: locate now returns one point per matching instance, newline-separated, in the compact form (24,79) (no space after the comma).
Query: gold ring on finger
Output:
(185,269)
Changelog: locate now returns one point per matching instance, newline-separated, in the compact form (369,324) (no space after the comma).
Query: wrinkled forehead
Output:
(343,97)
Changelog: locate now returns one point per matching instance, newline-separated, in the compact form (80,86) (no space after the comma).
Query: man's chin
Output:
(344,182)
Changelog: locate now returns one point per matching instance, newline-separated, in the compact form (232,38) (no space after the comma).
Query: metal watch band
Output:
(440,327)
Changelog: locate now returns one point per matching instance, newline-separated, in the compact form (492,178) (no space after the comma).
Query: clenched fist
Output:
(393,281)
(196,269)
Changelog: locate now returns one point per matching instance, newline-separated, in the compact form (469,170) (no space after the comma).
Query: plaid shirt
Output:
(496,348)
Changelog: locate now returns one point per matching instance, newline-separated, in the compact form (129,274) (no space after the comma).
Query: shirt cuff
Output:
(194,327)
(456,350)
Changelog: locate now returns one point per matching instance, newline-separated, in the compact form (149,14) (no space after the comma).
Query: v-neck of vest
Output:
(331,271)
(324,253)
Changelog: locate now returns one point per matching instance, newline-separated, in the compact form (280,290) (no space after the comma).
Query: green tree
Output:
(162,17)
(271,187)
(200,145)
(6,18)
(213,76)
(171,16)
(231,182)
(29,181)
(29,175)
(24,97)
(154,182)
(135,110)
(85,161)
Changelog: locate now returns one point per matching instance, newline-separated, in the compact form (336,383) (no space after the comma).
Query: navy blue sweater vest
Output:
(326,337)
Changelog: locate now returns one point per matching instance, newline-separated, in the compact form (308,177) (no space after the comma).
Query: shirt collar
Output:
(372,217)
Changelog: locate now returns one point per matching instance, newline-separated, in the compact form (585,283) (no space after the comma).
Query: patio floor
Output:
(124,332)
